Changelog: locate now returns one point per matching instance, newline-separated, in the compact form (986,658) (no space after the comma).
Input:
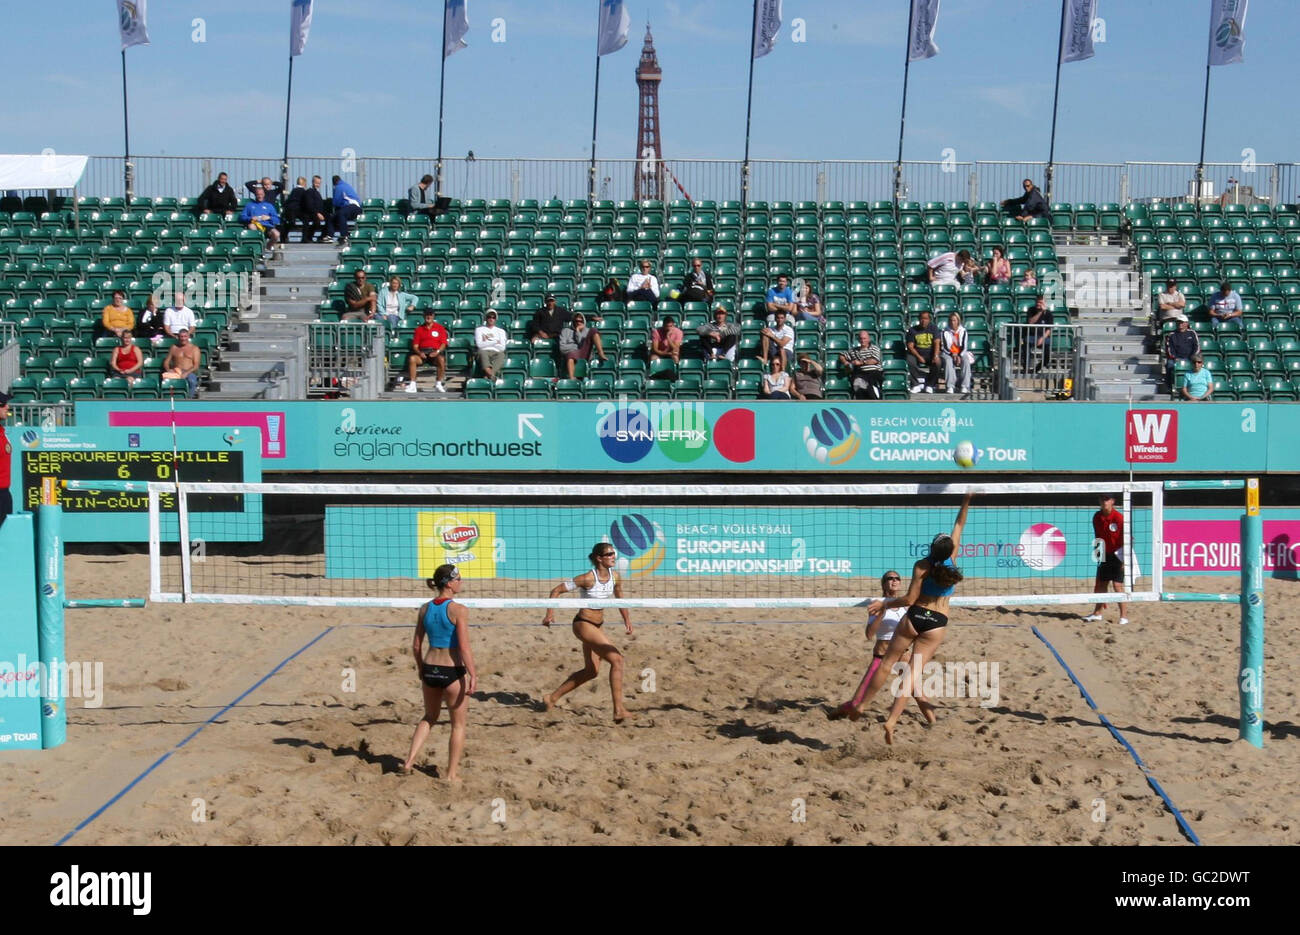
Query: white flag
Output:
(920,44)
(614,22)
(455,24)
(299,26)
(1076,38)
(1227,31)
(767,23)
(131,23)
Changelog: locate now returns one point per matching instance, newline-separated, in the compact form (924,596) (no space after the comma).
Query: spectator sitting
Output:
(1031,204)
(807,381)
(968,269)
(1171,302)
(1180,344)
(273,191)
(393,303)
(999,267)
(1035,344)
(1225,308)
(780,298)
(866,371)
(347,205)
(151,324)
(777,339)
(183,362)
(361,299)
(219,197)
(719,337)
(923,354)
(577,341)
(491,343)
(117,318)
(304,204)
(126,360)
(1030,279)
(643,286)
(698,285)
(957,358)
(666,341)
(1198,384)
(613,292)
(944,268)
(776,382)
(179,316)
(421,198)
(549,320)
(808,305)
(259,214)
(427,346)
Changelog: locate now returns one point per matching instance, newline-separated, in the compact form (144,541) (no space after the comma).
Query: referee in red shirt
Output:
(6,453)
(1108,526)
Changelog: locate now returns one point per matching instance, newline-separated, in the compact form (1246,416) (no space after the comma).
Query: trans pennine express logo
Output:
(1042,546)
(833,436)
(639,543)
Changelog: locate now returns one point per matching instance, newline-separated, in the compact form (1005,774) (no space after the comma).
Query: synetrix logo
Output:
(639,543)
(833,436)
(629,430)
(76,888)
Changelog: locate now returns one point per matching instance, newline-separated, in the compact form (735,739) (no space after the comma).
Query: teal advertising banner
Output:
(141,454)
(914,438)
(20,671)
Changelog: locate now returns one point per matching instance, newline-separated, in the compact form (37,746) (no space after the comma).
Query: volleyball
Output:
(966,454)
(674,294)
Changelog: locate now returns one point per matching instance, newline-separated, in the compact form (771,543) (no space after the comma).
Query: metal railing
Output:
(345,357)
(46,415)
(390,177)
(1025,366)
(10,354)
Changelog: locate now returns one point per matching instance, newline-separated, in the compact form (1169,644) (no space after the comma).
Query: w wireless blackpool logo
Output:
(682,432)
(639,543)
(833,436)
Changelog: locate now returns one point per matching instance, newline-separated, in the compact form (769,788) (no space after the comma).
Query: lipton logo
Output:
(460,534)
(454,534)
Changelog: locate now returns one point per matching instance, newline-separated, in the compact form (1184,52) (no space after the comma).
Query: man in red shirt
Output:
(1108,527)
(428,346)
(6,452)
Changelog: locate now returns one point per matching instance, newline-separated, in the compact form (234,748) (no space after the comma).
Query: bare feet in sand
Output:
(548,704)
(927,711)
(620,716)
(839,713)
(855,714)
(889,734)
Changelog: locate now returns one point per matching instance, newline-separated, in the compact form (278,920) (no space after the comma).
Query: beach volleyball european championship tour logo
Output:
(639,543)
(832,436)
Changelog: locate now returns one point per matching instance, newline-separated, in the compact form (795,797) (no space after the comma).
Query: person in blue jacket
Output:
(347,205)
(260,214)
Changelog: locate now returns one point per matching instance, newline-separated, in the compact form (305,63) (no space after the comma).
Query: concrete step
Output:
(263,345)
(232,387)
(290,290)
(247,364)
(305,273)
(289,313)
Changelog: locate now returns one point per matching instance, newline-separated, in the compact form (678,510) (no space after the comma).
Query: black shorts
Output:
(925,619)
(440,676)
(1112,569)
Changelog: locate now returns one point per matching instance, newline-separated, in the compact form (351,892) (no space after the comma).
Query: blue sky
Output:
(369,80)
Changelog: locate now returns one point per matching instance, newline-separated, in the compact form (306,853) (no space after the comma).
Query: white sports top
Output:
(601,589)
(889,621)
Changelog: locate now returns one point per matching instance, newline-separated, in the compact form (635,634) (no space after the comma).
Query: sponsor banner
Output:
(693,542)
(1210,543)
(786,437)
(20,709)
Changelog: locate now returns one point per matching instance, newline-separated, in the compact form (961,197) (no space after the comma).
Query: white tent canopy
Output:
(43,172)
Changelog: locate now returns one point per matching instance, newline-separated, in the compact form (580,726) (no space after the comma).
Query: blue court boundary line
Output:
(162,759)
(1146,772)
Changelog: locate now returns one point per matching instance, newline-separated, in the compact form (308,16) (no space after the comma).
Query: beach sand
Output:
(731,746)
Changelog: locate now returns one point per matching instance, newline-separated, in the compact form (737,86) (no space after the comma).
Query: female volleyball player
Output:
(587,627)
(934,579)
(447,671)
(880,627)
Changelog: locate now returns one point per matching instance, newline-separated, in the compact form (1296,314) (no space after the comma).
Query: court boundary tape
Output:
(1146,771)
(194,733)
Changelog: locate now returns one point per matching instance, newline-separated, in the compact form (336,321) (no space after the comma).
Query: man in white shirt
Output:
(643,286)
(778,338)
(178,316)
(943,269)
(1171,302)
(491,343)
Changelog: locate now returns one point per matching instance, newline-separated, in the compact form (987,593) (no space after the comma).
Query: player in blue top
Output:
(447,671)
(934,579)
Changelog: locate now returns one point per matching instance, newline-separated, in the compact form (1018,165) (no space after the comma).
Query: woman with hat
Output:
(447,671)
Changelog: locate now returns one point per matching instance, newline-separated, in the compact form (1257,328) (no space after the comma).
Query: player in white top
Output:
(881,628)
(588,627)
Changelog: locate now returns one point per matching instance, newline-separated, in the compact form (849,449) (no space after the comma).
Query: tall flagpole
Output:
(442,84)
(284,163)
(1056,96)
(1205,111)
(128,170)
(902,120)
(749,107)
(595,105)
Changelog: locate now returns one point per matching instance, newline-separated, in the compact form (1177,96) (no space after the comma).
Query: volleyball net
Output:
(678,545)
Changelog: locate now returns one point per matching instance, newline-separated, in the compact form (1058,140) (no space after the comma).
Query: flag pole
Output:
(749,107)
(442,81)
(595,105)
(1056,96)
(128,170)
(902,119)
(1205,111)
(284,163)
